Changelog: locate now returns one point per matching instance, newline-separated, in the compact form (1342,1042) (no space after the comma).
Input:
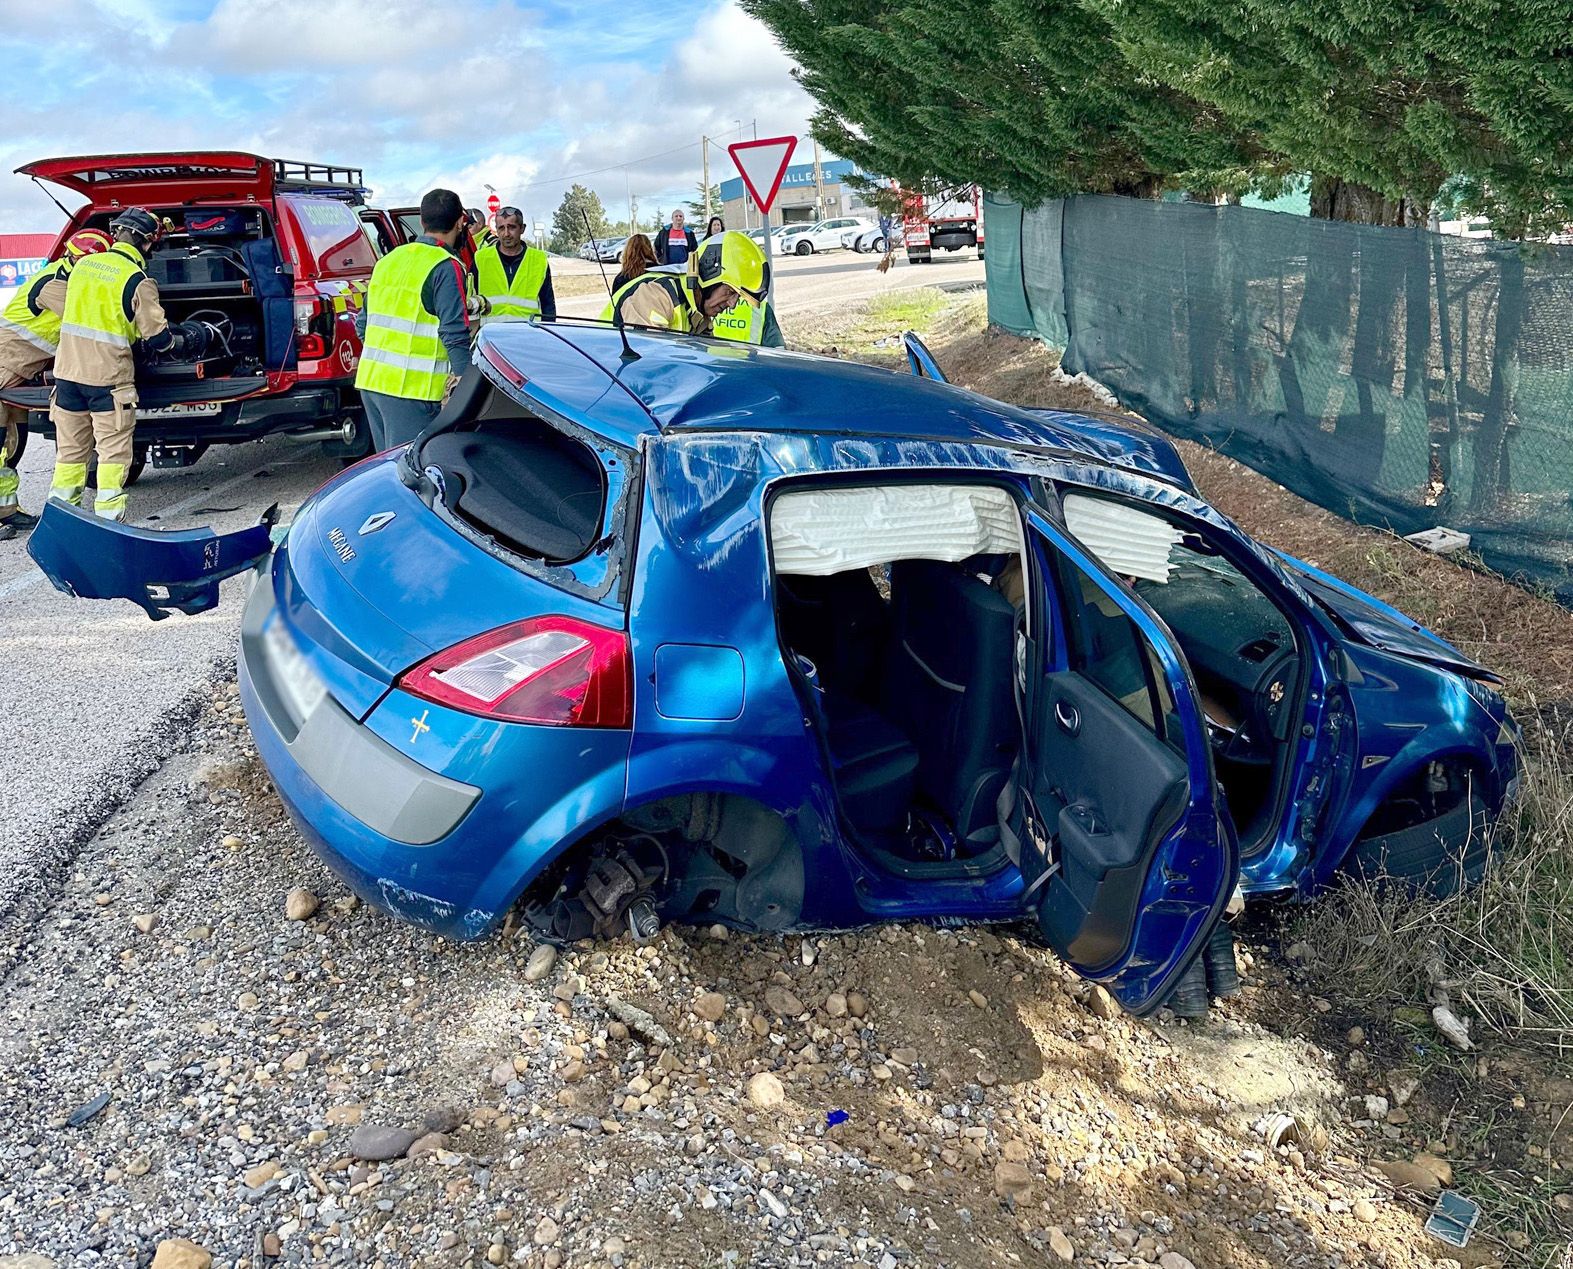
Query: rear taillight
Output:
(551,670)
(313,328)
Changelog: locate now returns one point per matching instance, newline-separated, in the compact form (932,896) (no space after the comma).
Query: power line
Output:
(613,167)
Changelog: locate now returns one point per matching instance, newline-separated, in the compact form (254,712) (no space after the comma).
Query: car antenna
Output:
(617,318)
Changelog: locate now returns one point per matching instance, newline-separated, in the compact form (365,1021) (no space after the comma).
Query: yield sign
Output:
(762,164)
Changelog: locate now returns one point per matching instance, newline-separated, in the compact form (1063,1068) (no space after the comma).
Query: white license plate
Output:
(177,411)
(297,680)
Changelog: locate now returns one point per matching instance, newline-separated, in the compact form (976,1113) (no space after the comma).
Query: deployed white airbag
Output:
(816,532)
(1126,541)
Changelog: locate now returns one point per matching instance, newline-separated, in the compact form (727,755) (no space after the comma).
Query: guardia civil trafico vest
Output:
(743,322)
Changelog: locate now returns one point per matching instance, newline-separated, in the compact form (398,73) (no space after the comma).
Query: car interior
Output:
(527,484)
(898,610)
(1239,644)
(900,638)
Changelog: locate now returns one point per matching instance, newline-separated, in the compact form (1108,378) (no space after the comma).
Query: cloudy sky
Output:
(528,96)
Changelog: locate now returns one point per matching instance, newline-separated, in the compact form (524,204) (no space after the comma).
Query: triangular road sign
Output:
(762,164)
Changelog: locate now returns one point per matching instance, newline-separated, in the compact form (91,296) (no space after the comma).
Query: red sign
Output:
(492,204)
(762,164)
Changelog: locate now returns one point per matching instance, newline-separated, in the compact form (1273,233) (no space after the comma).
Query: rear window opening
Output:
(519,479)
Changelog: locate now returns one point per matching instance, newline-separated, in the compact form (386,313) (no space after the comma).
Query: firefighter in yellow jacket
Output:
(724,271)
(29,336)
(111,304)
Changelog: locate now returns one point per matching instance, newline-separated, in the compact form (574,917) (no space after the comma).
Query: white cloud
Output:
(339,37)
(478,91)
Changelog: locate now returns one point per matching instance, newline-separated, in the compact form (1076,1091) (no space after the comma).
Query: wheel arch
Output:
(1409,768)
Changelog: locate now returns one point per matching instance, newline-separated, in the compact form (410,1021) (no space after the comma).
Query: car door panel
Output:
(1112,790)
(1124,842)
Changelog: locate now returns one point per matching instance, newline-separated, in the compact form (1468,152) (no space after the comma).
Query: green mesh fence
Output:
(1401,378)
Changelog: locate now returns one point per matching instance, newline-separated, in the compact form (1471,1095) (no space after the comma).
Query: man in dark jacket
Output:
(675,243)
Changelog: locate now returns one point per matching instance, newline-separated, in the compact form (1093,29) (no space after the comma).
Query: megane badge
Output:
(378,521)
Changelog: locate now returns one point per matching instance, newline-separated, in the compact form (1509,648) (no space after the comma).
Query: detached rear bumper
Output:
(374,815)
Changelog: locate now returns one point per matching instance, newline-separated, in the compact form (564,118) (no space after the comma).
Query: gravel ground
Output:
(613,1105)
(294,1079)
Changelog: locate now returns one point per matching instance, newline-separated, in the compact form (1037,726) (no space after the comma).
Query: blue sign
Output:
(15,273)
(832,172)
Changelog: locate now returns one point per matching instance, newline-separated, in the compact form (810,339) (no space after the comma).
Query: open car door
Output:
(1129,858)
(920,360)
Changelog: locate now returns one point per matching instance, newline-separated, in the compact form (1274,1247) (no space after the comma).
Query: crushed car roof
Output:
(685,384)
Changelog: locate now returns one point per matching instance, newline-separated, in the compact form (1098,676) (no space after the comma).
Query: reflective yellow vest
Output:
(522,296)
(96,306)
(675,285)
(41,329)
(743,322)
(403,354)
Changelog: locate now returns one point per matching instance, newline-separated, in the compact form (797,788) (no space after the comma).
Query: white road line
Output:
(18,584)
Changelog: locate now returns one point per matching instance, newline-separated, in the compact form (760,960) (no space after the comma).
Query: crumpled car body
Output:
(650,627)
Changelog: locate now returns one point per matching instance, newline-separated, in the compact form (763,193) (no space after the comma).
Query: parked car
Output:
(273,257)
(607,250)
(825,235)
(787,642)
(784,237)
(865,239)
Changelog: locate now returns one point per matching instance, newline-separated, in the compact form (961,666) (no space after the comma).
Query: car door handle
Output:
(1068,717)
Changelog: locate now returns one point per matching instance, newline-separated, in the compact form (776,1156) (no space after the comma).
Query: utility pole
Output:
(704,143)
(819,185)
(628,190)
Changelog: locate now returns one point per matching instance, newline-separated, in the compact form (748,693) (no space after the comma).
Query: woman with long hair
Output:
(638,255)
(716,226)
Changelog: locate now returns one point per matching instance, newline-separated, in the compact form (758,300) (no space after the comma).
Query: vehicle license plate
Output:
(296,678)
(176,411)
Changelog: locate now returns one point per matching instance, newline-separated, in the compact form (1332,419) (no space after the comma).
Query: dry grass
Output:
(568,285)
(1503,947)
(872,331)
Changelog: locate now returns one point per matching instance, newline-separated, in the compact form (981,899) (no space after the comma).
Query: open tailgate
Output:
(137,178)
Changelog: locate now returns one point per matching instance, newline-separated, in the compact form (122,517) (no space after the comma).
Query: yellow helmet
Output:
(731,258)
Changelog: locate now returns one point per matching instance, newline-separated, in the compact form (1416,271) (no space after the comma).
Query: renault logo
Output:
(378,521)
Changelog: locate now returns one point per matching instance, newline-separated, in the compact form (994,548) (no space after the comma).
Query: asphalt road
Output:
(94,696)
(806,283)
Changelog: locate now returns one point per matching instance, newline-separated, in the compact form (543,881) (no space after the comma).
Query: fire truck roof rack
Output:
(346,183)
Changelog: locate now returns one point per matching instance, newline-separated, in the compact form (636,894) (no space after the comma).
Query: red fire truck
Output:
(941,224)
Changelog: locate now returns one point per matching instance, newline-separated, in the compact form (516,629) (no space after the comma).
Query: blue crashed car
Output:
(668,628)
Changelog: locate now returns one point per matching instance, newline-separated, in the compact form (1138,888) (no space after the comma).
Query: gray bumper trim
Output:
(391,794)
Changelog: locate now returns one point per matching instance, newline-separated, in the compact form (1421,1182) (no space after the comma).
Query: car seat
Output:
(947,683)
